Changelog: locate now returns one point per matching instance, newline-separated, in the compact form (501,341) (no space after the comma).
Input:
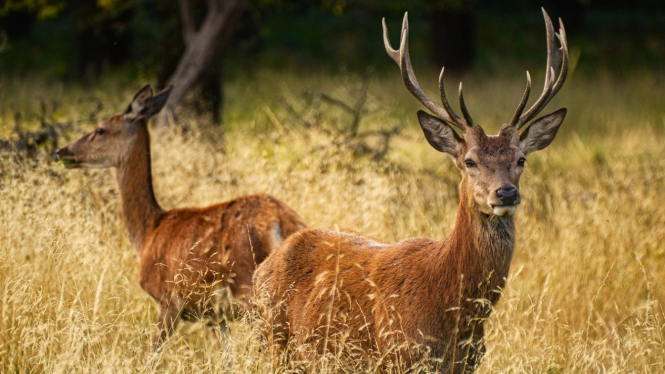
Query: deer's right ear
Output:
(440,135)
(541,132)
(140,102)
(158,101)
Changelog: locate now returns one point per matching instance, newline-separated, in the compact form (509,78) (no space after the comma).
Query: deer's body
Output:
(419,291)
(387,293)
(193,254)
(330,291)
(189,257)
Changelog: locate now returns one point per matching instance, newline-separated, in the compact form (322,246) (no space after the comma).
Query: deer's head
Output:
(108,145)
(491,165)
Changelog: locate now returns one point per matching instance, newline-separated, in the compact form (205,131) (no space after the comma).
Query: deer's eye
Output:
(469,163)
(521,161)
(99,131)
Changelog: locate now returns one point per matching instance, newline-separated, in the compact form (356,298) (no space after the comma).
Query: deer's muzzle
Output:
(67,157)
(508,195)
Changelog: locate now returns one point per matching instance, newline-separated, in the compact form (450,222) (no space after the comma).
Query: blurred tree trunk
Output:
(571,12)
(103,40)
(203,49)
(212,91)
(452,38)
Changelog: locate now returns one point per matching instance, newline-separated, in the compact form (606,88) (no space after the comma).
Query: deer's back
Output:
(373,291)
(202,247)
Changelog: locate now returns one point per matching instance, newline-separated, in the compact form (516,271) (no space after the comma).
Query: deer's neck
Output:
(481,247)
(139,207)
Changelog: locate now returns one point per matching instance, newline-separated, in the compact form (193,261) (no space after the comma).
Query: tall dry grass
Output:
(585,290)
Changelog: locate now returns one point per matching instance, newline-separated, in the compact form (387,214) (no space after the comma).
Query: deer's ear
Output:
(145,104)
(541,132)
(158,101)
(140,102)
(440,135)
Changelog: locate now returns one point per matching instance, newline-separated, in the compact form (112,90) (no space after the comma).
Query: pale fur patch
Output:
(276,235)
(503,210)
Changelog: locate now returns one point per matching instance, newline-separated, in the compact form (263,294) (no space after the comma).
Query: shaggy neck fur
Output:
(481,248)
(139,206)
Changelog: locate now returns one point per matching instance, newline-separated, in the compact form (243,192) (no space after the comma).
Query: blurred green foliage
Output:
(44,9)
(142,37)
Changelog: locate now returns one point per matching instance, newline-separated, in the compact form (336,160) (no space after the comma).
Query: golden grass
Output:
(584,295)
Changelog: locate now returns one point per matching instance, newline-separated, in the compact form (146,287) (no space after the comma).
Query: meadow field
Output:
(585,292)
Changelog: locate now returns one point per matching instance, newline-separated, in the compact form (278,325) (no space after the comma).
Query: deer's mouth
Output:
(504,210)
(66,158)
(69,162)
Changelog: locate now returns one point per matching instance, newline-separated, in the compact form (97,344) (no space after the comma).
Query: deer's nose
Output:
(508,195)
(62,152)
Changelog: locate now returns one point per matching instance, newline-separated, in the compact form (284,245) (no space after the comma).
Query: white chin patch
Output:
(502,210)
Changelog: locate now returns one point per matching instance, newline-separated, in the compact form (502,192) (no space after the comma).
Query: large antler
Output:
(403,60)
(556,57)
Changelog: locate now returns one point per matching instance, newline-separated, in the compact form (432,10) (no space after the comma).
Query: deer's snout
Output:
(63,153)
(508,195)
(67,158)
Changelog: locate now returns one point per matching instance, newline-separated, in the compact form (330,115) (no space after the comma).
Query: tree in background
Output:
(86,36)
(451,25)
(200,65)
(452,39)
(103,34)
(186,42)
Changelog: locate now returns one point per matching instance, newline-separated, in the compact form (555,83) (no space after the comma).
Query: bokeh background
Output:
(83,42)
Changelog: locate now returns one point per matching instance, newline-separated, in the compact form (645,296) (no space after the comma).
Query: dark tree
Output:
(200,63)
(452,38)
(103,39)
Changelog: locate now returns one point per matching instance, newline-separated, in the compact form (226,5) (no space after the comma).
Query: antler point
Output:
(443,68)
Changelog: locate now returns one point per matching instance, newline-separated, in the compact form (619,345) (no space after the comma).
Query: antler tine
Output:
(465,112)
(525,98)
(403,60)
(556,57)
(564,58)
(394,54)
(456,120)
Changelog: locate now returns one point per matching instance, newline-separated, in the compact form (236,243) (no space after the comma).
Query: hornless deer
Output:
(189,256)
(327,290)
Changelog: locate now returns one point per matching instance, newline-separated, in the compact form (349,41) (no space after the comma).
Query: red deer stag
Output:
(323,288)
(189,256)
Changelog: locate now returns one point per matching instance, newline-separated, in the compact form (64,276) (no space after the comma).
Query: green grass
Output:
(584,290)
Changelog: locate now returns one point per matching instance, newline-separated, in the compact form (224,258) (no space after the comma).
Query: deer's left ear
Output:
(140,102)
(541,132)
(145,104)
(440,134)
